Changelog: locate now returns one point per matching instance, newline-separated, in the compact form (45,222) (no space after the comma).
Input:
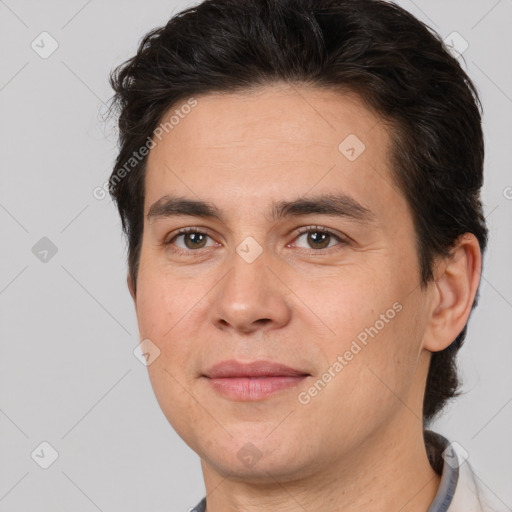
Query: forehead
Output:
(272,144)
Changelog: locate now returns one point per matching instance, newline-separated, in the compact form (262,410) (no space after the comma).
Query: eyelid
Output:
(321,229)
(342,238)
(182,231)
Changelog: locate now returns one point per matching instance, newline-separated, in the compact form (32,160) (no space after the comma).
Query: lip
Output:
(232,369)
(252,381)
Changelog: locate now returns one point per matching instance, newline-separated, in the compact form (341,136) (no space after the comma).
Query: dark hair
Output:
(397,65)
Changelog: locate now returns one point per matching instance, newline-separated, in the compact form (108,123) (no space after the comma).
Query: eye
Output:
(192,239)
(319,238)
(316,237)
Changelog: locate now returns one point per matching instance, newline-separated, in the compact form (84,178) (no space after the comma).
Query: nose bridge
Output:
(247,282)
(249,296)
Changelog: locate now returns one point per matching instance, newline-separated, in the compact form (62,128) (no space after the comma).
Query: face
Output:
(304,258)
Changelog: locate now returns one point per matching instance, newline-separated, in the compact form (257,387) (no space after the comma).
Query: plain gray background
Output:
(68,329)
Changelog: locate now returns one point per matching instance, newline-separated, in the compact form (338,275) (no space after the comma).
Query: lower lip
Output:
(253,388)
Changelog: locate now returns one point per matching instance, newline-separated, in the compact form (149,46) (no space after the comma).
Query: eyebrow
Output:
(338,205)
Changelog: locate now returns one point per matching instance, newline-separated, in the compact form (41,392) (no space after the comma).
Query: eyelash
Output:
(319,229)
(309,229)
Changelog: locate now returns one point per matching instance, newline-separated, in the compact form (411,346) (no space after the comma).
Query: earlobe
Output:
(456,284)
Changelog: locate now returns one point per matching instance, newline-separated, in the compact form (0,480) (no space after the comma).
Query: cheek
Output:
(166,317)
(162,300)
(344,302)
(370,375)
(388,361)
(373,329)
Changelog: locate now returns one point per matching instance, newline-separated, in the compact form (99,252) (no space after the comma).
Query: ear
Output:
(131,287)
(456,279)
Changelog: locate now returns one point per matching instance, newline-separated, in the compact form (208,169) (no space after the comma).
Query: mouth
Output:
(252,381)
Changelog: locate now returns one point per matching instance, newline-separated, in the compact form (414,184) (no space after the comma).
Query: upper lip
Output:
(234,368)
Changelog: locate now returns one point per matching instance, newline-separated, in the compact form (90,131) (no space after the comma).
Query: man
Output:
(299,184)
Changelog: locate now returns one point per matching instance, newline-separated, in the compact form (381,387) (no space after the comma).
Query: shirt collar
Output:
(444,460)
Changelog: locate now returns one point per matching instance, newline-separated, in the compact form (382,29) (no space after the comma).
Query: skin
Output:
(357,445)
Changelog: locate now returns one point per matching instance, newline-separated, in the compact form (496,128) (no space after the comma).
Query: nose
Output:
(251,296)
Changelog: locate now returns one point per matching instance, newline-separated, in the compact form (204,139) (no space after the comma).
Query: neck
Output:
(390,471)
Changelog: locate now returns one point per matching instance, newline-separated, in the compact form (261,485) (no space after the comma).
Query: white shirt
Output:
(460,490)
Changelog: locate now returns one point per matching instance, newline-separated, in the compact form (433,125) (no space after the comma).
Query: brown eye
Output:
(320,238)
(194,240)
(190,239)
